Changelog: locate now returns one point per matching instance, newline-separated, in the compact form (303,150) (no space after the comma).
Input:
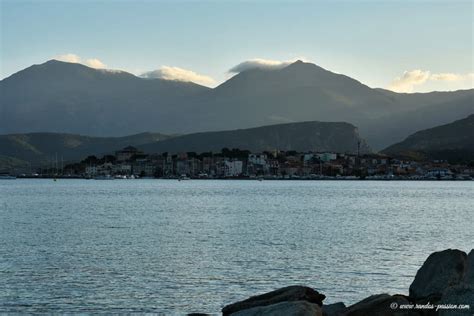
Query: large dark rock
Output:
(440,271)
(469,275)
(294,308)
(380,305)
(333,309)
(461,294)
(286,294)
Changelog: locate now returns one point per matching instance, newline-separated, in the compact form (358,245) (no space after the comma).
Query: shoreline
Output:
(243,178)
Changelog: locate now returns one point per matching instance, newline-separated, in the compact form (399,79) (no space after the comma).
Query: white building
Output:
(439,172)
(104,169)
(308,156)
(233,168)
(257,159)
(91,170)
(125,169)
(327,156)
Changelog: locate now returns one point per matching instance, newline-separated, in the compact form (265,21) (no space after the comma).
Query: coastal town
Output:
(131,163)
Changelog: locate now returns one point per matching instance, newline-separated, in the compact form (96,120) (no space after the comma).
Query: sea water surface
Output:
(175,247)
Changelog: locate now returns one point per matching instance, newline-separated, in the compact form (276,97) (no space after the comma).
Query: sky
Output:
(404,45)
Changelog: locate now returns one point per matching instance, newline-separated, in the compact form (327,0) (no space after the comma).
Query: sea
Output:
(174,247)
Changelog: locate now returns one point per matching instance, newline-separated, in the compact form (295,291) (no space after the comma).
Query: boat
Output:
(5,176)
(184,177)
(104,177)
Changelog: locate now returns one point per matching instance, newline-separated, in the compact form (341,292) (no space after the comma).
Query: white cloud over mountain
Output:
(94,63)
(409,80)
(261,64)
(73,58)
(417,77)
(179,74)
(69,58)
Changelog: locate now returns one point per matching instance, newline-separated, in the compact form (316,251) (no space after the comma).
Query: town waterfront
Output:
(175,247)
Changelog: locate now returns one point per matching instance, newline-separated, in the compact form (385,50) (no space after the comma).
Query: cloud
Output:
(451,77)
(261,64)
(94,63)
(73,58)
(69,58)
(410,79)
(179,74)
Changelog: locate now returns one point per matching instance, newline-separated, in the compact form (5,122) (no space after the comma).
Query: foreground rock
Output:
(333,309)
(286,294)
(440,271)
(295,308)
(469,276)
(462,293)
(380,304)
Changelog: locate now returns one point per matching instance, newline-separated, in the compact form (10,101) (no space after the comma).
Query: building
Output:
(123,169)
(327,156)
(103,169)
(233,168)
(127,153)
(257,164)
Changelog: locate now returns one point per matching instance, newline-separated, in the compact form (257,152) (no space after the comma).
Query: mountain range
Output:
(20,150)
(453,142)
(72,98)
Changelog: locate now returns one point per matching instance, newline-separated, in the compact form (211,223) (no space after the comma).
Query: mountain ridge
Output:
(338,137)
(71,98)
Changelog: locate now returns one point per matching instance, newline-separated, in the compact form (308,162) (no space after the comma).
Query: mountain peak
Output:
(299,64)
(55,62)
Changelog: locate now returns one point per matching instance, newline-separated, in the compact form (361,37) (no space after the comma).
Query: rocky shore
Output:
(444,285)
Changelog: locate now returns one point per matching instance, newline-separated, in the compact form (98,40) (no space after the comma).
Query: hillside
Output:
(393,128)
(41,148)
(453,142)
(306,136)
(21,150)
